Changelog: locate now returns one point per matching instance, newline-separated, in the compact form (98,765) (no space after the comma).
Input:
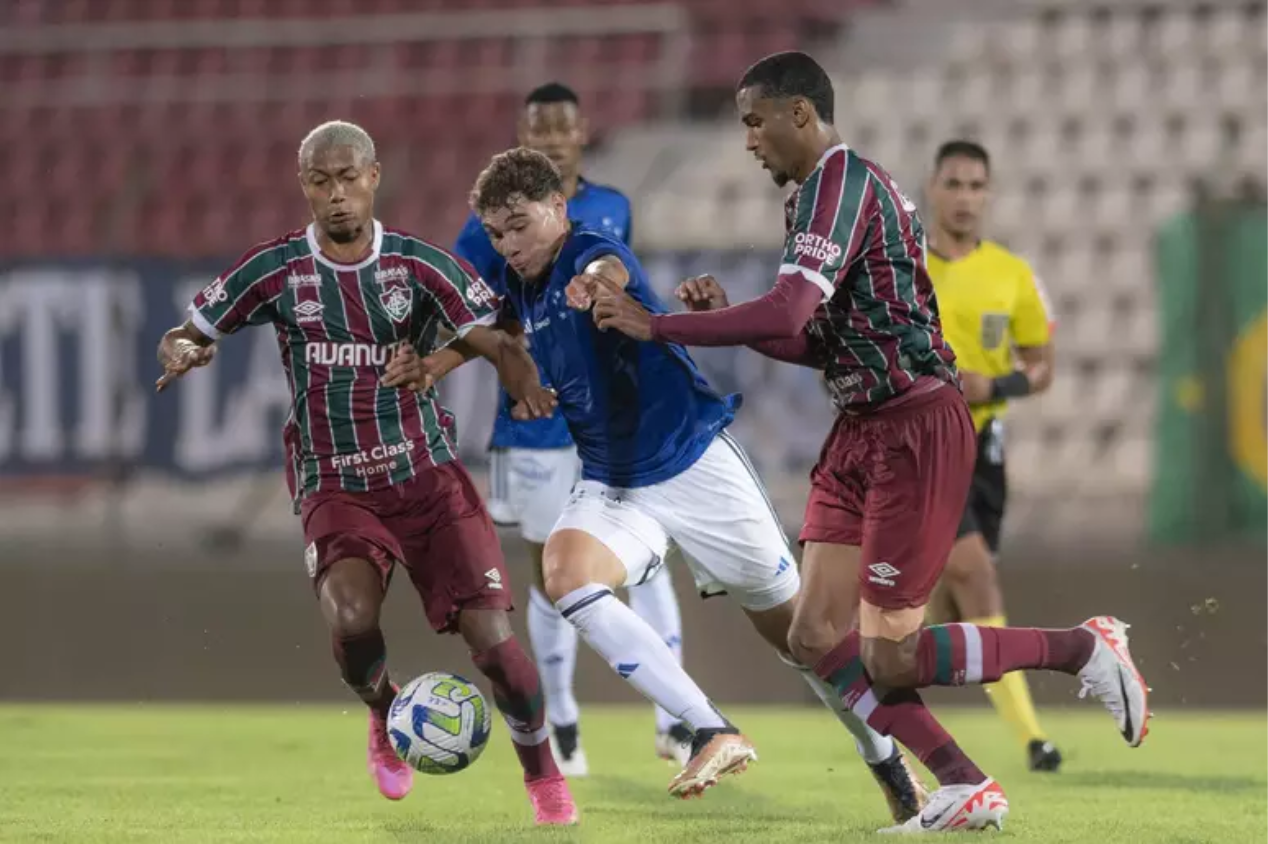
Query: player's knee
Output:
(484,630)
(351,597)
(560,577)
(810,642)
(353,614)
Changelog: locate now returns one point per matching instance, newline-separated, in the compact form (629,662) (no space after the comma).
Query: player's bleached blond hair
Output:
(337,133)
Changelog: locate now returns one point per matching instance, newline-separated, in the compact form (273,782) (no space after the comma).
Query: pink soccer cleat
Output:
(393,777)
(552,801)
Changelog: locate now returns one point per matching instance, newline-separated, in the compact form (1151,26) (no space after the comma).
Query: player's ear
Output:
(583,131)
(376,172)
(802,112)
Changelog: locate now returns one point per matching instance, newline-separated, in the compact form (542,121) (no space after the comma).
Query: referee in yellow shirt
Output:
(997,319)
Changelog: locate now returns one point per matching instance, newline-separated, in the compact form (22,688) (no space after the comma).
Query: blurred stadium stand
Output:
(168,129)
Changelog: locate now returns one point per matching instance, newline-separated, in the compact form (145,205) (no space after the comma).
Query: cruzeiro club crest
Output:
(396,302)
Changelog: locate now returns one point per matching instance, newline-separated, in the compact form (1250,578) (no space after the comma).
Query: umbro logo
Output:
(309,311)
(494,577)
(882,574)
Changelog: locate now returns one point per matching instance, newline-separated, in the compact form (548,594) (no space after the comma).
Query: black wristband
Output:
(1014,385)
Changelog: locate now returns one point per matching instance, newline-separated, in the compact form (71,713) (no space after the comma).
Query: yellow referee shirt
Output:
(990,301)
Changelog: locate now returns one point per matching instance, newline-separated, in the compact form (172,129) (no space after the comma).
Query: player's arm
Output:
(243,295)
(598,277)
(703,293)
(472,311)
(816,248)
(1031,327)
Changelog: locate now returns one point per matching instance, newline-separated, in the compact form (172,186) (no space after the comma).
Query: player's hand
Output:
(178,355)
(580,292)
(406,369)
(539,403)
(616,309)
(702,293)
(977,387)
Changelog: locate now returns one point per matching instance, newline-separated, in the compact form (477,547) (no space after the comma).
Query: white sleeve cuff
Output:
(489,319)
(819,280)
(200,322)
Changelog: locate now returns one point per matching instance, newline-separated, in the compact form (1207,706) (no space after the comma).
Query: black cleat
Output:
(567,738)
(1044,756)
(904,792)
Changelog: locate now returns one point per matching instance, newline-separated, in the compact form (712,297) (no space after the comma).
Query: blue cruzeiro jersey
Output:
(640,413)
(597,207)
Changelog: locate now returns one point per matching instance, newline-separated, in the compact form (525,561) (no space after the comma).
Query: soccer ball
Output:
(439,723)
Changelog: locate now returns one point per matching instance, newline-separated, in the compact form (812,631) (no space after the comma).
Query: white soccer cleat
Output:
(674,746)
(959,808)
(1111,676)
(570,757)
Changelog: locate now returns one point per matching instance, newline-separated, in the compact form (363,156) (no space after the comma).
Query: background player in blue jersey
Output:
(658,469)
(534,464)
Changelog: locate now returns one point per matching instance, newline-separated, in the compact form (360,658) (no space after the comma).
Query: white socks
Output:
(872,746)
(635,651)
(656,603)
(554,643)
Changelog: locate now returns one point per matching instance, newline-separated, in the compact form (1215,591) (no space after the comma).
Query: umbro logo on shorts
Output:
(495,578)
(883,574)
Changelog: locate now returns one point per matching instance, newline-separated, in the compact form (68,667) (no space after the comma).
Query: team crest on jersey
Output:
(396,302)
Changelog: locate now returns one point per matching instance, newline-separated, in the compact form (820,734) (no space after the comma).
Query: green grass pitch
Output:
(148,773)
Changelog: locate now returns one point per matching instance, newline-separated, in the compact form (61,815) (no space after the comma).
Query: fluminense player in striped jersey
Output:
(853,298)
(373,458)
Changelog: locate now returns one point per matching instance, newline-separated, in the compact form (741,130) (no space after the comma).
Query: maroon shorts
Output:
(895,481)
(434,525)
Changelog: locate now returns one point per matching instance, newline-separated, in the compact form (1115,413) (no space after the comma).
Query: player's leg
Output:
(918,504)
(348,559)
(603,542)
(720,515)
(454,560)
(541,482)
(971,585)
(656,603)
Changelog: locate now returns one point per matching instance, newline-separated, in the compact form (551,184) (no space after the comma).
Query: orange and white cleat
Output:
(714,754)
(1111,677)
(959,808)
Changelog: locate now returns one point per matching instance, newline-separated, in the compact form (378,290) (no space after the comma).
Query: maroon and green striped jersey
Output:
(337,325)
(853,233)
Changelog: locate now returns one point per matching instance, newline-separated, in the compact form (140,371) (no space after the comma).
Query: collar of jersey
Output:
(311,234)
(828,154)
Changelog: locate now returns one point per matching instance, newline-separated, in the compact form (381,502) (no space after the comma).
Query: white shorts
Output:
(530,487)
(717,512)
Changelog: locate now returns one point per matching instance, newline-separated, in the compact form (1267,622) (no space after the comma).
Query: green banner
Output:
(1211,447)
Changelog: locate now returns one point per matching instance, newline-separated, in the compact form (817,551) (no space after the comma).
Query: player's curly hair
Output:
(517,174)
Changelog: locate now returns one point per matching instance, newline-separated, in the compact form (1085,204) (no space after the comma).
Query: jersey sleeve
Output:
(462,298)
(244,294)
(627,231)
(1033,319)
(828,225)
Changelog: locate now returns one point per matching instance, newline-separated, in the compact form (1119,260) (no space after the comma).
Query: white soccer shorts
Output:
(717,512)
(530,487)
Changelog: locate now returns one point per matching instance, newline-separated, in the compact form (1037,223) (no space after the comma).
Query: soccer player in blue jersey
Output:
(658,469)
(534,463)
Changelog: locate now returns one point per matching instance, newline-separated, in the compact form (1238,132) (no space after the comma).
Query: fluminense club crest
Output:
(397,302)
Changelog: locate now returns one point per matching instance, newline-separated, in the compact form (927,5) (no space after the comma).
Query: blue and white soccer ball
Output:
(439,723)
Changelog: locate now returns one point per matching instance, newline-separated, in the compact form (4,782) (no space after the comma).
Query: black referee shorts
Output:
(984,512)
